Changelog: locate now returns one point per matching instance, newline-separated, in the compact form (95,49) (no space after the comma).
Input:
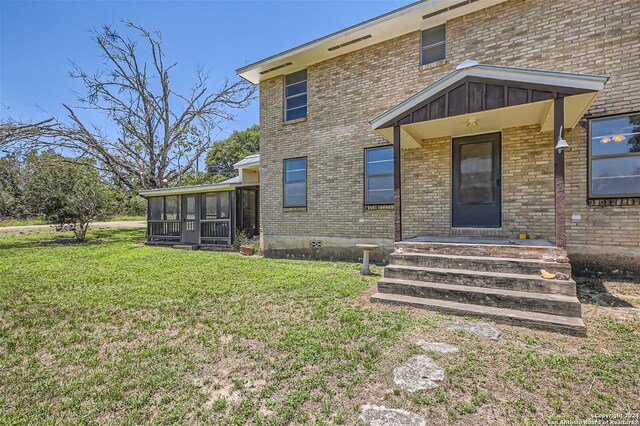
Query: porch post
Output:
(397,202)
(558,173)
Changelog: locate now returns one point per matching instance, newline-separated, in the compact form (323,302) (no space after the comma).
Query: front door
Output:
(189,219)
(477,201)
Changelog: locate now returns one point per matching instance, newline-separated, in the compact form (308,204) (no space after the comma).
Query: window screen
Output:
(379,175)
(434,44)
(295,95)
(295,182)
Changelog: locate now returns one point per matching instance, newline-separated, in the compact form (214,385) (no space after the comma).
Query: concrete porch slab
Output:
(463,239)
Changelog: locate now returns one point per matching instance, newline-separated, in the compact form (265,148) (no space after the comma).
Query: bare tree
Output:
(160,133)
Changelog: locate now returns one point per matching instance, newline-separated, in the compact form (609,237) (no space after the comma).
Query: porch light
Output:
(606,139)
(472,122)
(562,144)
(619,138)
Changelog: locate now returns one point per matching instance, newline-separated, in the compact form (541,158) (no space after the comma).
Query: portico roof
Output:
(477,98)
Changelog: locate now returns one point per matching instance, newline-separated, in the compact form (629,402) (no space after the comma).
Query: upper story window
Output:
(295,182)
(164,208)
(295,95)
(434,44)
(378,170)
(614,155)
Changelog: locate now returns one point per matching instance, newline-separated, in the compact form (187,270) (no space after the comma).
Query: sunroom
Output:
(203,216)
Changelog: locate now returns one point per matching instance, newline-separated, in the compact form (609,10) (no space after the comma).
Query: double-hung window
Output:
(378,181)
(434,44)
(295,95)
(614,156)
(295,182)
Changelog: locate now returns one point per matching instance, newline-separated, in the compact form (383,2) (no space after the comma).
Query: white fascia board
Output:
(382,28)
(241,165)
(548,78)
(187,190)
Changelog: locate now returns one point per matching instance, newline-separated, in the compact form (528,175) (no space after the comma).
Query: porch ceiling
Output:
(479,99)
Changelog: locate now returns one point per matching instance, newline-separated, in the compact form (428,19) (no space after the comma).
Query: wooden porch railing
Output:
(165,229)
(216,230)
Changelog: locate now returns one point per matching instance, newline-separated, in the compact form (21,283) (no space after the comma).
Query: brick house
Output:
(437,123)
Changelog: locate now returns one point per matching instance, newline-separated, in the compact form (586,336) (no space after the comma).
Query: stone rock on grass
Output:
(481,329)
(419,373)
(437,347)
(374,415)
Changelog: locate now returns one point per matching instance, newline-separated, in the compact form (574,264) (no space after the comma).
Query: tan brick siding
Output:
(599,38)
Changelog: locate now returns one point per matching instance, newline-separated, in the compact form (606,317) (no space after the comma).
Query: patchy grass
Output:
(124,219)
(113,332)
(21,222)
(39,221)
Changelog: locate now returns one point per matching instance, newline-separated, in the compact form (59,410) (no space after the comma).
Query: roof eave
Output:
(579,81)
(186,189)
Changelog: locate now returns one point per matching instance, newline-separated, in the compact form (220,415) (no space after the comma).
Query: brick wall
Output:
(598,38)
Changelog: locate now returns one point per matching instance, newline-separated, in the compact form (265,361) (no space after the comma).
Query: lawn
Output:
(114,332)
(39,221)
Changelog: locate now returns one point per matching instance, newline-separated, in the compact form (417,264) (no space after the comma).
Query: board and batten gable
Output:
(344,93)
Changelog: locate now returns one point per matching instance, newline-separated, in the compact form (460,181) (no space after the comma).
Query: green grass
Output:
(124,219)
(109,331)
(40,221)
(114,332)
(22,222)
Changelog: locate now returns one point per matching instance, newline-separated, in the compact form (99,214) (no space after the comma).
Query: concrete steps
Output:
(558,323)
(524,300)
(541,252)
(479,263)
(499,281)
(479,278)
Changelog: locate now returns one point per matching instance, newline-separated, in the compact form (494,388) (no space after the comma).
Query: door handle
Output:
(498,181)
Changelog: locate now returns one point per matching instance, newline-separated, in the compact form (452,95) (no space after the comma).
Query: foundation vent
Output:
(315,244)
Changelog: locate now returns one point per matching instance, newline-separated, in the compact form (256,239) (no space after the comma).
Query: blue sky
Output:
(38,38)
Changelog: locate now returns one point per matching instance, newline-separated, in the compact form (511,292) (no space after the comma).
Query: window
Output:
(434,44)
(378,182)
(215,205)
(614,149)
(172,207)
(164,208)
(295,95)
(295,182)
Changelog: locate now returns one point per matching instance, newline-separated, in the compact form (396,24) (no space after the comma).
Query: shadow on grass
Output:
(594,292)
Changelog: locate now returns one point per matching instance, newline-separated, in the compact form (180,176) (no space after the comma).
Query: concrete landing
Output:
(463,239)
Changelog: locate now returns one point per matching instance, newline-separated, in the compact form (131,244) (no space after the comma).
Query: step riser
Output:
(487,264)
(558,328)
(485,250)
(532,285)
(461,295)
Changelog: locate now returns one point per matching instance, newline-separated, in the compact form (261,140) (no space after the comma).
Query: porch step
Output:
(479,263)
(483,296)
(562,324)
(517,251)
(486,279)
